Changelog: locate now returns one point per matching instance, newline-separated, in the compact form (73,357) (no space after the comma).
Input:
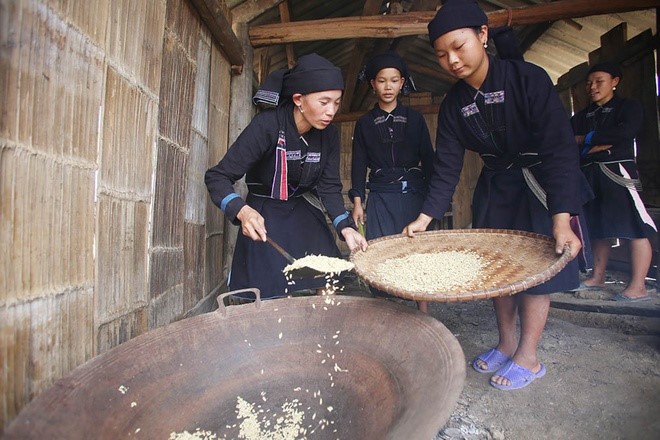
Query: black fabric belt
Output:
(507,161)
(402,186)
(260,190)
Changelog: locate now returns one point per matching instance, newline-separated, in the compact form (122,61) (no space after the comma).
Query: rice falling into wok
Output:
(431,272)
(320,263)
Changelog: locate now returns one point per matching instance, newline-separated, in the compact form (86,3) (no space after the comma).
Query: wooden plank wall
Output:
(177,91)
(111,113)
(218,138)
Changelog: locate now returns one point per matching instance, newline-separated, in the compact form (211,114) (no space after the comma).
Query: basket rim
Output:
(492,292)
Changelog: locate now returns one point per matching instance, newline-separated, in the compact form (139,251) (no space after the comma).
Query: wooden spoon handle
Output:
(279,249)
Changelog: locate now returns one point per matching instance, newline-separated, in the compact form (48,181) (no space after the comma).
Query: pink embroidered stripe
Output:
(284,187)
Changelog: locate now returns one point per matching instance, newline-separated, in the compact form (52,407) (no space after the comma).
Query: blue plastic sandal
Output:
(494,360)
(519,376)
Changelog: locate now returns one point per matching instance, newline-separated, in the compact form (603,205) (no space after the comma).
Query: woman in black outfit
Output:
(605,132)
(509,112)
(289,156)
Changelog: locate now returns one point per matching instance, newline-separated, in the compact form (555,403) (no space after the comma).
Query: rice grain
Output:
(432,272)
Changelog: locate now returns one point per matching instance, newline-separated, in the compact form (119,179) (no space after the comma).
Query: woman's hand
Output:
(358,212)
(599,148)
(418,225)
(252,223)
(564,235)
(354,239)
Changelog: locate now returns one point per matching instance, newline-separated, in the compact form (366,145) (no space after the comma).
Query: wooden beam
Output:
(433,72)
(362,90)
(362,46)
(214,14)
(285,17)
(251,9)
(414,23)
(264,65)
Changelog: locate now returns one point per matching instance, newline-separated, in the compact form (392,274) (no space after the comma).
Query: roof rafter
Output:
(415,23)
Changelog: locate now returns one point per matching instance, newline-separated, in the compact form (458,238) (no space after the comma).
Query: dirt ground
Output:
(602,381)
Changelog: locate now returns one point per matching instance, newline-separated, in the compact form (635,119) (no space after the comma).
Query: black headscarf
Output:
(312,73)
(456,14)
(384,61)
(607,67)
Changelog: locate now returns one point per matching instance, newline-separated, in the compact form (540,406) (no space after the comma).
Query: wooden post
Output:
(285,17)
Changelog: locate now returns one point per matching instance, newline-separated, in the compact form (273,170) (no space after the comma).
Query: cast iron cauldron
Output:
(353,368)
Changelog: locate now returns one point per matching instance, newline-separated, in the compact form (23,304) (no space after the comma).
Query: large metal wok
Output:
(353,368)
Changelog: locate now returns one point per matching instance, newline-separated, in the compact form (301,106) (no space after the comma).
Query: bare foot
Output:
(634,292)
(501,380)
(592,282)
(498,358)
(483,365)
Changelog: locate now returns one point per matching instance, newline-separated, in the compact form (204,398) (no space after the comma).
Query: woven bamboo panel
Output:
(47,225)
(166,273)
(514,261)
(122,256)
(219,102)
(129,134)
(196,192)
(121,329)
(135,38)
(183,20)
(52,114)
(177,87)
(41,341)
(346,154)
(177,93)
(194,258)
(90,17)
(200,120)
(215,263)
(167,307)
(169,196)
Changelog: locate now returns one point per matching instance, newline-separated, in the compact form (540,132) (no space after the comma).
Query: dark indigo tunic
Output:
(515,121)
(617,211)
(297,225)
(396,148)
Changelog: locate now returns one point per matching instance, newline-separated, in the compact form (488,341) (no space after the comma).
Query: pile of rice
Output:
(432,272)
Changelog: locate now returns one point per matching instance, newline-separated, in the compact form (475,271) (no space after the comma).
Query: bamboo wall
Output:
(111,113)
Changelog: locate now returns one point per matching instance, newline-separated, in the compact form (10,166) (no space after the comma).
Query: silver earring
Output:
(300,109)
(614,88)
(485,45)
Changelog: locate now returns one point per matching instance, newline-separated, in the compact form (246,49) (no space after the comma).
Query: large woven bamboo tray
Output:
(513,261)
